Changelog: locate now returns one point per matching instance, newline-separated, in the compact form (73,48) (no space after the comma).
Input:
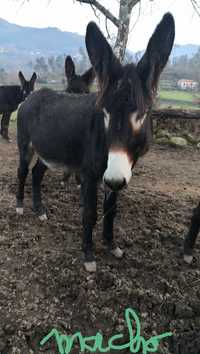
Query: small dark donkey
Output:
(101,135)
(10,97)
(77,83)
(192,234)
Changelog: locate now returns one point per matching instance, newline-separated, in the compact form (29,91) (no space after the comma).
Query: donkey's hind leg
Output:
(38,172)
(191,237)
(5,124)
(26,155)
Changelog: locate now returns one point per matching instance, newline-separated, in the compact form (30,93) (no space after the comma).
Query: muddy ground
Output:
(44,286)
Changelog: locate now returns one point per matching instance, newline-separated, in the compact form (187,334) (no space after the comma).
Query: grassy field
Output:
(179,99)
(166,98)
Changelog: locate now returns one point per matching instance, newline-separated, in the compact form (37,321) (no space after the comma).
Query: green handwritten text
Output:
(93,343)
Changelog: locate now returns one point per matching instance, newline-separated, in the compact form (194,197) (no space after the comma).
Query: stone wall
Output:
(167,130)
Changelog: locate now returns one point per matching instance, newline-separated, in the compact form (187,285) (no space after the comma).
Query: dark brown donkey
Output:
(77,83)
(100,135)
(10,97)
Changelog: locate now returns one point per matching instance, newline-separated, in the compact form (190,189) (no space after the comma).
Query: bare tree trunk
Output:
(122,23)
(123,28)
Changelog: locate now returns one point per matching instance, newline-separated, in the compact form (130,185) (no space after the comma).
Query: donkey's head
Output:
(126,97)
(27,86)
(77,83)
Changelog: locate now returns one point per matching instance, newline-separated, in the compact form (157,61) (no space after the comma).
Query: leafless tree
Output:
(196,5)
(122,22)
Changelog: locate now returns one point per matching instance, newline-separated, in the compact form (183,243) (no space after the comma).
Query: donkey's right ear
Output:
(107,67)
(33,78)
(69,68)
(21,78)
(156,55)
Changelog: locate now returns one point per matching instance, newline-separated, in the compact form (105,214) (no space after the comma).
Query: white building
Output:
(185,84)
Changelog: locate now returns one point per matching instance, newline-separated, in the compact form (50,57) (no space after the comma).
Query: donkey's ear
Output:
(33,78)
(106,65)
(21,78)
(156,55)
(69,68)
(89,76)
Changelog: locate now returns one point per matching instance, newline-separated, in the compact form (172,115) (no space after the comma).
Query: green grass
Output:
(179,99)
(167,98)
(178,95)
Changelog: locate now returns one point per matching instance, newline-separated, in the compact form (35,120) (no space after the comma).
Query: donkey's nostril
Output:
(115,185)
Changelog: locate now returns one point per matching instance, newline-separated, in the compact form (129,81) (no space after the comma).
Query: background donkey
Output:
(77,83)
(192,234)
(10,97)
(100,142)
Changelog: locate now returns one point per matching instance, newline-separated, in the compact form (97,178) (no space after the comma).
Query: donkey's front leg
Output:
(190,238)
(110,209)
(89,217)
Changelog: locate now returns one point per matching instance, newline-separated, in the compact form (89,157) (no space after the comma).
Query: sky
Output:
(69,15)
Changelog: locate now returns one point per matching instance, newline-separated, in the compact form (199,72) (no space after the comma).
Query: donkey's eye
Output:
(106,118)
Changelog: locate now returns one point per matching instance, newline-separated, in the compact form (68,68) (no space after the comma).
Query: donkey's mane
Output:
(127,84)
(131,76)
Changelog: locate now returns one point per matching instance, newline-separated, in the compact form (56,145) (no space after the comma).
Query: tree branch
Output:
(132,3)
(138,16)
(196,6)
(103,10)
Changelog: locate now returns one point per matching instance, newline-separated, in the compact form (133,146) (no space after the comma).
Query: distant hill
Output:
(179,50)
(19,45)
(187,49)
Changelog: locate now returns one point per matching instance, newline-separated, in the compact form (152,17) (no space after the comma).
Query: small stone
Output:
(178,141)
(9,329)
(90,267)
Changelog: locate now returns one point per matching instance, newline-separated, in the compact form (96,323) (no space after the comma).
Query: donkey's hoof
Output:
(188,258)
(43,217)
(20,210)
(117,252)
(90,267)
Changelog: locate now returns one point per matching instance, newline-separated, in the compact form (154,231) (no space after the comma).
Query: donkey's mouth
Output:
(114,185)
(118,172)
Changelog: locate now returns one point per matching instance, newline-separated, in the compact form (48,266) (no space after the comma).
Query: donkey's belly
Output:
(54,166)
(59,154)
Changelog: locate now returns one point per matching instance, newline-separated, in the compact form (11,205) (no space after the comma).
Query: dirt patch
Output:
(42,281)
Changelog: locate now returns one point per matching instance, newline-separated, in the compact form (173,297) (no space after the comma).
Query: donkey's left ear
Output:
(69,68)
(33,78)
(89,76)
(106,65)
(156,55)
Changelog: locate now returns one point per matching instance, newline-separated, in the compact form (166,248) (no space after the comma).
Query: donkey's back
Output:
(51,121)
(10,97)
